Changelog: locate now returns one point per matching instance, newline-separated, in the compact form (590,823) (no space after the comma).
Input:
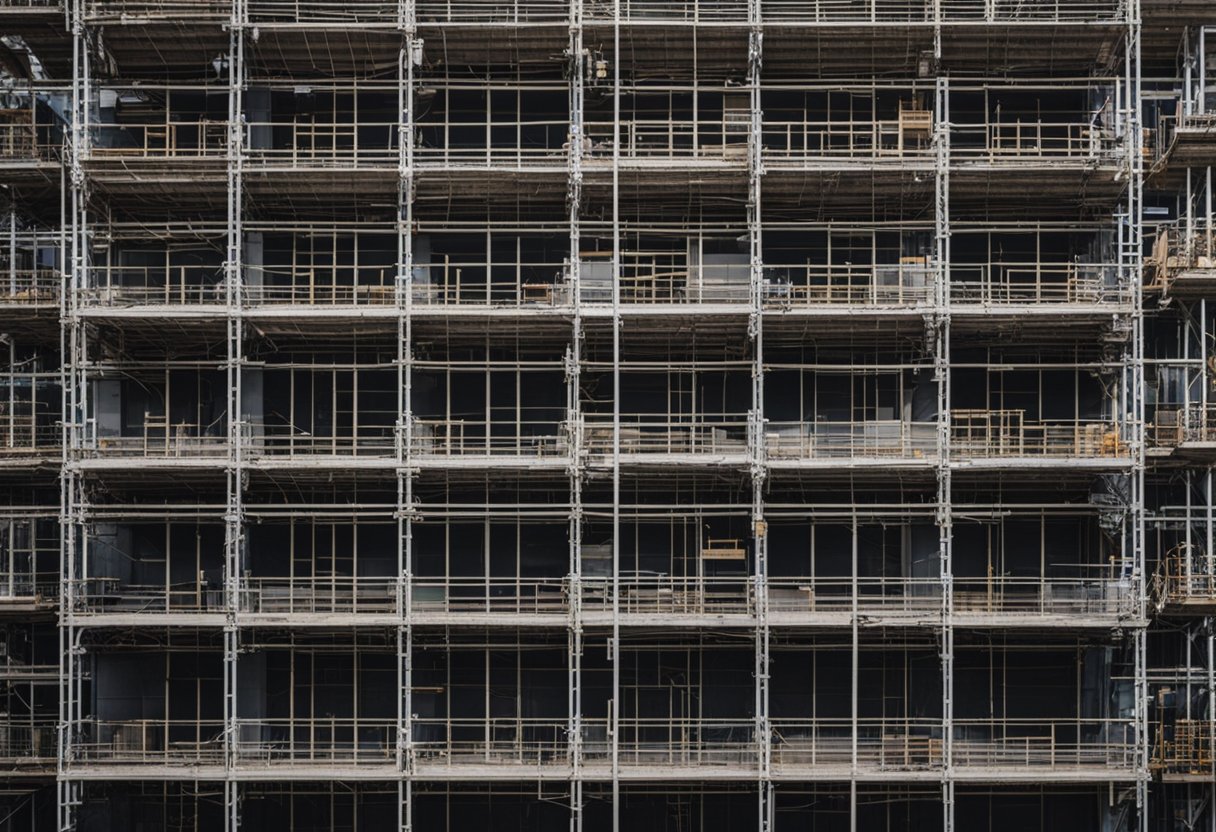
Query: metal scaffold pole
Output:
(940,344)
(614,644)
(409,59)
(75,427)
(1132,260)
(756,431)
(577,66)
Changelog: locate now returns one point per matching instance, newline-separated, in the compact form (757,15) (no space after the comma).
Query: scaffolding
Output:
(734,414)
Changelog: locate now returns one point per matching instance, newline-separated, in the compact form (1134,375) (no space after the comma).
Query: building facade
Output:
(666,415)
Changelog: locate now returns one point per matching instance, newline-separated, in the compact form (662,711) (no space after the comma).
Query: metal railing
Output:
(869,596)
(286,441)
(25,141)
(137,11)
(847,139)
(30,287)
(160,438)
(492,11)
(669,743)
(113,595)
(809,284)
(642,433)
(148,741)
(789,12)
(880,438)
(496,741)
(119,286)
(470,437)
(24,434)
(456,290)
(28,742)
(31,589)
(1070,597)
(1055,744)
(497,596)
(663,277)
(437,148)
(883,744)
(997,284)
(670,595)
(13,668)
(334,144)
(1031,139)
(321,594)
(684,11)
(319,739)
(662,138)
(847,11)
(1006,433)
(364,286)
(1037,11)
(169,139)
(335,12)
(911,744)
(446,283)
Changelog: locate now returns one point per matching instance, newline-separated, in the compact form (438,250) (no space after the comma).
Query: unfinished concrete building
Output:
(656,415)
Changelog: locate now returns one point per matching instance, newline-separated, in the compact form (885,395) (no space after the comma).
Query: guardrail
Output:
(670,595)
(360,440)
(25,588)
(496,596)
(883,744)
(26,742)
(365,286)
(169,139)
(1031,139)
(122,286)
(138,11)
(787,12)
(303,144)
(484,742)
(113,595)
(464,285)
(522,147)
(893,439)
(319,739)
(30,287)
(23,434)
(662,138)
(471,437)
(1054,744)
(541,12)
(646,434)
(998,284)
(311,595)
(987,434)
(849,139)
(22,140)
(869,596)
(161,439)
(148,741)
(810,284)
(492,11)
(669,743)
(335,12)
(1109,597)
